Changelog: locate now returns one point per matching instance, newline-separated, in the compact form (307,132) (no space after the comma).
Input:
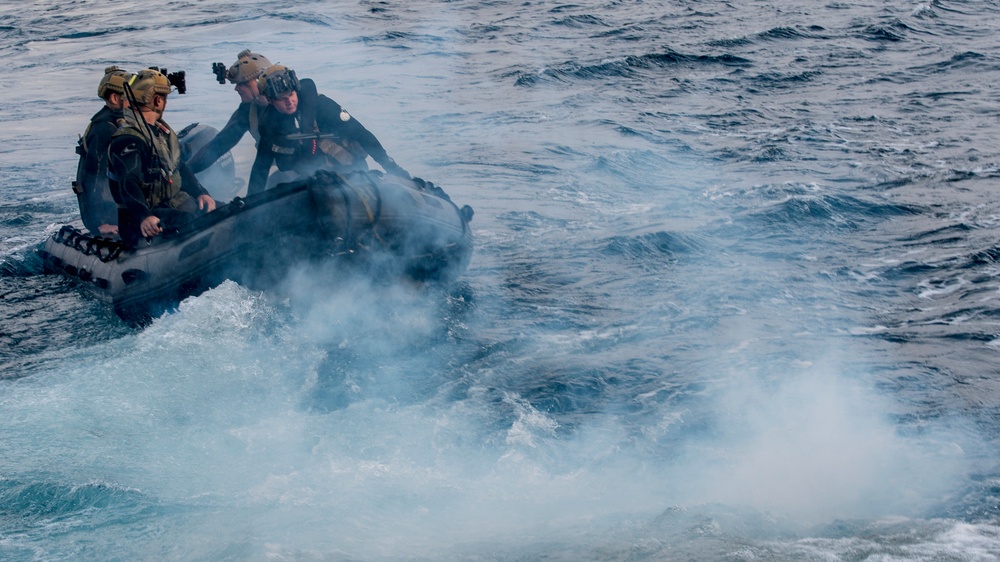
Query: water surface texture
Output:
(734,294)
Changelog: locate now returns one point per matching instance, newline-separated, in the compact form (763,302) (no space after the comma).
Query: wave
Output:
(962,61)
(581,21)
(632,66)
(781,81)
(653,245)
(28,504)
(817,214)
(890,32)
(777,33)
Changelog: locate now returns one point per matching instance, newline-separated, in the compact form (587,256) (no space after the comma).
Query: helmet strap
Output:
(151,107)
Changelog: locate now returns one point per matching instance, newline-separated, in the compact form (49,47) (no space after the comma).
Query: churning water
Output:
(734,295)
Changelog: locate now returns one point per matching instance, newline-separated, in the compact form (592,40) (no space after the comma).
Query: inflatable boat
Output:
(385,225)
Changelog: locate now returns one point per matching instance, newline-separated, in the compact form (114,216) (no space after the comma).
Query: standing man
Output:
(152,186)
(304,132)
(97,206)
(244,73)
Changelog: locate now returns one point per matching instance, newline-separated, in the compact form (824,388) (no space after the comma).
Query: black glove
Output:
(429,186)
(392,168)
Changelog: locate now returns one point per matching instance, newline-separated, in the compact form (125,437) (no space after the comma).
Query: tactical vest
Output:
(341,153)
(161,178)
(81,149)
(336,150)
(81,145)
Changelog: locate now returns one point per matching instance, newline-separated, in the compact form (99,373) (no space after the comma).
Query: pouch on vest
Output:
(336,151)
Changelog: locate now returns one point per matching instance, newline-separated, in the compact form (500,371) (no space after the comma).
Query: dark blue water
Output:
(734,294)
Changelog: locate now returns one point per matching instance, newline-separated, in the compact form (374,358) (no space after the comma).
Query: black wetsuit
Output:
(240,123)
(97,206)
(135,172)
(225,140)
(306,156)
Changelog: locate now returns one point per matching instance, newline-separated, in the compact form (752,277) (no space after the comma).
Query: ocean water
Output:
(734,293)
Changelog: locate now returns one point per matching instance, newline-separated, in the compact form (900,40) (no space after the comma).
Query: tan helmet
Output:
(113,81)
(277,80)
(148,82)
(247,67)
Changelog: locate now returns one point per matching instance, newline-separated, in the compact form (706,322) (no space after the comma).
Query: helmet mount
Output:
(276,81)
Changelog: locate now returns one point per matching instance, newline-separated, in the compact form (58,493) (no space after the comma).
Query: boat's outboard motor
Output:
(220,178)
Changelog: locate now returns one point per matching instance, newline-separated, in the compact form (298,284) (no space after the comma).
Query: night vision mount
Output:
(220,72)
(176,79)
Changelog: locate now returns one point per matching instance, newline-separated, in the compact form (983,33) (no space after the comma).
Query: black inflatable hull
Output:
(384,225)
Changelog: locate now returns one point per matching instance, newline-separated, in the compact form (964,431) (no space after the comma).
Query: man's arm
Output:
(261,168)
(193,187)
(224,141)
(190,183)
(331,117)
